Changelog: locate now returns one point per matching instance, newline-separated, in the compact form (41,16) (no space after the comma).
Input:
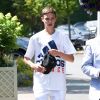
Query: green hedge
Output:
(24,74)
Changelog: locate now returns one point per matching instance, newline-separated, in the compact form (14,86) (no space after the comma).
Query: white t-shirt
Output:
(39,44)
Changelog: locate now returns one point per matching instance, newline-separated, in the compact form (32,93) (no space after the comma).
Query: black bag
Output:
(49,62)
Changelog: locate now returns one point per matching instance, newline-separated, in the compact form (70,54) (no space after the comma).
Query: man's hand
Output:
(38,68)
(54,52)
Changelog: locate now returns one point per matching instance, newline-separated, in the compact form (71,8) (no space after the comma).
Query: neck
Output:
(50,31)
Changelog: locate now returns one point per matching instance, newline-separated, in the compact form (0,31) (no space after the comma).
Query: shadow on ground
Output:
(77,86)
(74,86)
(25,90)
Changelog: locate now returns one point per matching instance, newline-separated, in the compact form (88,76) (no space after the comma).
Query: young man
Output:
(50,40)
(91,67)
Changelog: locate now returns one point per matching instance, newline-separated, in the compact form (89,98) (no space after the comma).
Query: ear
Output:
(42,18)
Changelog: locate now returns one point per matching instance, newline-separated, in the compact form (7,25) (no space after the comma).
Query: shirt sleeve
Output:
(30,49)
(68,46)
(88,63)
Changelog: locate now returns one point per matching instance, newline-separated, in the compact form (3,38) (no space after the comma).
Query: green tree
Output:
(6,6)
(29,11)
(10,29)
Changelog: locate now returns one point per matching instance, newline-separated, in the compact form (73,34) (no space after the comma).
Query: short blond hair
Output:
(47,10)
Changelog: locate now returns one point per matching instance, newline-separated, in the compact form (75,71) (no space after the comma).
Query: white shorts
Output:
(50,95)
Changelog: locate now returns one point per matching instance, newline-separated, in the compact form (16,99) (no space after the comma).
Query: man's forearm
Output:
(68,57)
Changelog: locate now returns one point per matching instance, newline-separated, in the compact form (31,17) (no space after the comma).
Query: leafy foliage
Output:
(25,74)
(90,5)
(10,29)
(5,6)
(30,10)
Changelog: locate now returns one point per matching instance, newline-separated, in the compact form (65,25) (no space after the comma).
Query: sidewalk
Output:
(76,88)
(25,93)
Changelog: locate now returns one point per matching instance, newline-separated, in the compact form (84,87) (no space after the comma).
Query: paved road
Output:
(77,83)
